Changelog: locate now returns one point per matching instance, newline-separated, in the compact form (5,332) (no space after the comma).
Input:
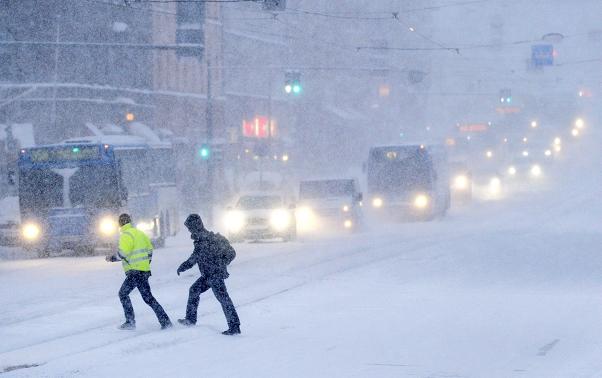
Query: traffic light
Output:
(505,95)
(205,152)
(292,82)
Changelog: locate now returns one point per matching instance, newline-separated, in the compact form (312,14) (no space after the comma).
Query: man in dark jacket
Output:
(212,252)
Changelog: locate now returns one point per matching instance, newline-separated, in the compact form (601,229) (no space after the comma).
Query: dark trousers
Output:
(136,279)
(221,294)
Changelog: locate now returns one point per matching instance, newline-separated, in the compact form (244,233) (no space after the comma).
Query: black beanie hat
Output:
(124,219)
(194,222)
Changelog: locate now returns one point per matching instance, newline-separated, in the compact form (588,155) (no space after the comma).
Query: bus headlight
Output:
(536,171)
(234,221)
(306,218)
(31,231)
(280,219)
(348,223)
(377,202)
(107,226)
(461,182)
(512,170)
(421,201)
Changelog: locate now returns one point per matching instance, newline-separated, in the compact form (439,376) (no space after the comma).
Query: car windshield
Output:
(325,189)
(259,202)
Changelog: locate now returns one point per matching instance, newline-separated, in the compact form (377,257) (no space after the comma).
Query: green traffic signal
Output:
(205,153)
(296,88)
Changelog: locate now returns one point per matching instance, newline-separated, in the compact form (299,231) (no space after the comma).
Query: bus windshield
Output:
(89,186)
(399,170)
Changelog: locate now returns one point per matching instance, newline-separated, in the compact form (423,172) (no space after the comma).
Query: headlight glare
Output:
(146,226)
(536,170)
(495,185)
(31,231)
(306,218)
(234,221)
(421,201)
(280,219)
(461,182)
(377,202)
(107,226)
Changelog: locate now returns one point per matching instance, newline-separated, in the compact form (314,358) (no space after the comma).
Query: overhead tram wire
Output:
(423,36)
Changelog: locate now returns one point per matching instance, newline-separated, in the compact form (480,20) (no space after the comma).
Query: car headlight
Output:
(495,185)
(348,223)
(306,218)
(31,231)
(280,219)
(461,182)
(346,208)
(146,227)
(377,202)
(234,221)
(536,170)
(421,201)
(512,170)
(107,226)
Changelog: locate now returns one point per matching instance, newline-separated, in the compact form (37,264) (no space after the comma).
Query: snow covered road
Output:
(485,292)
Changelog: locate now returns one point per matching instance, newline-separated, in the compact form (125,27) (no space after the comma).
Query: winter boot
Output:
(166,325)
(186,322)
(128,326)
(232,330)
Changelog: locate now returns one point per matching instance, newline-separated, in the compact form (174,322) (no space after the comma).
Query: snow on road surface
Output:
(498,289)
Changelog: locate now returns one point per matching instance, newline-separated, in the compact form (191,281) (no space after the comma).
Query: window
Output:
(162,166)
(134,169)
(189,33)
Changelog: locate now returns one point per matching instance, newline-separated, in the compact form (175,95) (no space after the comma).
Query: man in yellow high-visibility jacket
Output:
(135,253)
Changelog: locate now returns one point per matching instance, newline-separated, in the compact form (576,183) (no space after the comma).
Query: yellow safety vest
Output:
(135,249)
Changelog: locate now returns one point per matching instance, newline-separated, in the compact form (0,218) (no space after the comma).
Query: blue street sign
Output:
(542,55)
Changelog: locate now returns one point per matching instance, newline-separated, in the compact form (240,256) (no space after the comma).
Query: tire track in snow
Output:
(46,345)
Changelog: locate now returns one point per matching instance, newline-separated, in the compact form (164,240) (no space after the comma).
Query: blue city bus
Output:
(70,194)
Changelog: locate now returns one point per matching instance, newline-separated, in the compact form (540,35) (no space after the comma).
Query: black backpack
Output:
(224,247)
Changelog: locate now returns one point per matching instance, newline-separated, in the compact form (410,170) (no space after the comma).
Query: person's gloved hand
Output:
(180,270)
(111,258)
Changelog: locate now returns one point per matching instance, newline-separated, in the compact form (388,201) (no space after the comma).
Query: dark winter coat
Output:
(212,252)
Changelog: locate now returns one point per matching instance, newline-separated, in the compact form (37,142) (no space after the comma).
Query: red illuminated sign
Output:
(474,128)
(258,128)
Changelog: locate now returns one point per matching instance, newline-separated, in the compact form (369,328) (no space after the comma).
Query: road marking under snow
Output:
(548,347)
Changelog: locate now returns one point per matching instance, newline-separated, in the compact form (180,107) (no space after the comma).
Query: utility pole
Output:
(56,67)
(209,142)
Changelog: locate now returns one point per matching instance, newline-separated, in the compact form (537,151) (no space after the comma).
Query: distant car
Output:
(527,166)
(261,216)
(325,204)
